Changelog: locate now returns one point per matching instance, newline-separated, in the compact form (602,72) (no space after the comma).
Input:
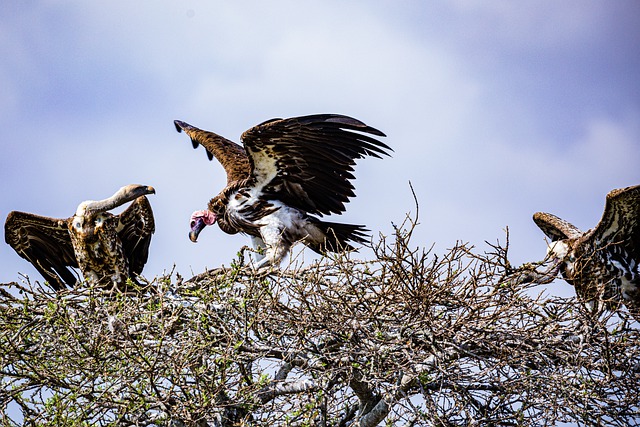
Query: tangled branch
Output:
(408,337)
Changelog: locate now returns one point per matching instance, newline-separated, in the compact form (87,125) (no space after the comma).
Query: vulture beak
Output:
(197,224)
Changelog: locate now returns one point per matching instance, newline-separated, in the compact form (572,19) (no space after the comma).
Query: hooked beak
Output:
(197,224)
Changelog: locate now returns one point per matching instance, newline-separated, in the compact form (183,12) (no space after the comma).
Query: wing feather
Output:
(308,162)
(231,156)
(135,227)
(556,228)
(46,244)
(620,221)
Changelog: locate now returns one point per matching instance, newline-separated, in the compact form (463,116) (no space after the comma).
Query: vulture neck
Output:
(122,196)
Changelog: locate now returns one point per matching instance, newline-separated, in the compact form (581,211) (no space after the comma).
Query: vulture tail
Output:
(337,237)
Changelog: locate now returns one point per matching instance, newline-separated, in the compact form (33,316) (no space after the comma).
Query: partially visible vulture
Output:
(107,248)
(288,171)
(601,263)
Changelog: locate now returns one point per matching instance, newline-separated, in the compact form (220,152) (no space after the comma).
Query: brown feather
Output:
(231,156)
(135,227)
(603,263)
(313,156)
(46,244)
(556,228)
(107,248)
(303,165)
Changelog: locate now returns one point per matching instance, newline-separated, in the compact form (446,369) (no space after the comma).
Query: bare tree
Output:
(407,338)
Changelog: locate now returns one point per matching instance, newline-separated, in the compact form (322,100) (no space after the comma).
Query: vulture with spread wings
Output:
(287,171)
(603,262)
(108,249)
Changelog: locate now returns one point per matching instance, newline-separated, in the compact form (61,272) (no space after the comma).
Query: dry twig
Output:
(407,338)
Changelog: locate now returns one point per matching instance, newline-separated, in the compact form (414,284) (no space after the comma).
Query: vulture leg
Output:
(259,248)
(276,244)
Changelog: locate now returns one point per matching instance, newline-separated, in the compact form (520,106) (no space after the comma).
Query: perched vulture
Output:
(107,248)
(601,263)
(287,171)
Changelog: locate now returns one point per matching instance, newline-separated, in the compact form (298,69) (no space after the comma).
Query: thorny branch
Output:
(407,338)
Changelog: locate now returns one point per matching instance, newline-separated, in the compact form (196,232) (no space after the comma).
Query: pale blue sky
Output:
(495,109)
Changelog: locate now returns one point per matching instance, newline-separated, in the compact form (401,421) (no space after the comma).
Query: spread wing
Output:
(46,244)
(620,221)
(307,162)
(135,227)
(231,156)
(556,228)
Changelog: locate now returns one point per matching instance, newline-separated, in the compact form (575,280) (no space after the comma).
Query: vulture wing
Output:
(46,244)
(307,162)
(556,228)
(135,227)
(231,156)
(620,223)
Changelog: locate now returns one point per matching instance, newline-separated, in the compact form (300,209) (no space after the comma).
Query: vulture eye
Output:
(99,220)
(77,225)
(192,224)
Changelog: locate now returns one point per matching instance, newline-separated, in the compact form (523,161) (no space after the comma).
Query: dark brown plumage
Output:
(288,170)
(603,262)
(106,248)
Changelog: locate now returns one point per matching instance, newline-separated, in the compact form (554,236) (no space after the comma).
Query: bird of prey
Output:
(108,249)
(288,172)
(601,263)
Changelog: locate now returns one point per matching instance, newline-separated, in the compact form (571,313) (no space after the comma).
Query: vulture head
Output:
(91,216)
(564,237)
(199,220)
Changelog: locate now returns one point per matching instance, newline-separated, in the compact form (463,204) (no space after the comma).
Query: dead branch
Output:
(408,337)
